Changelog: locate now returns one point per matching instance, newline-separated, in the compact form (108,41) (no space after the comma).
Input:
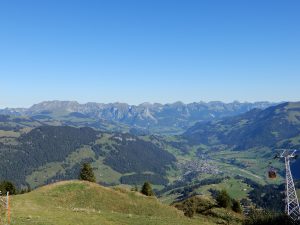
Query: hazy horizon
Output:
(5,103)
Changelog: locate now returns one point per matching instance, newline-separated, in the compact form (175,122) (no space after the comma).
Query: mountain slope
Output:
(16,123)
(82,203)
(277,126)
(263,130)
(49,153)
(167,118)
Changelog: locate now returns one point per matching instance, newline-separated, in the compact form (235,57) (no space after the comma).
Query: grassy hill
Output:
(82,203)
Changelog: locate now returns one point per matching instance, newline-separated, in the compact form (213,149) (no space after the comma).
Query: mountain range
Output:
(158,118)
(232,149)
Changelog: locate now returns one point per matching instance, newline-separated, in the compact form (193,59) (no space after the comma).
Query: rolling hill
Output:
(81,203)
(11,122)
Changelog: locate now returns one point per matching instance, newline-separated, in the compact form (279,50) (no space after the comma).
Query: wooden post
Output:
(8,208)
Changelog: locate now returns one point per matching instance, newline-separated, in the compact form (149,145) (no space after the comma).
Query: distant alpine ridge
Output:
(168,118)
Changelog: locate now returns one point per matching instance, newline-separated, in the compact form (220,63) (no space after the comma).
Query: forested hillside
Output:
(62,150)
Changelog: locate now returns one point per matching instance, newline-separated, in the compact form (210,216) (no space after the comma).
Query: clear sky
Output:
(149,50)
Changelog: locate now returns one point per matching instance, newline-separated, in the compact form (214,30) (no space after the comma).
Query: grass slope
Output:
(82,203)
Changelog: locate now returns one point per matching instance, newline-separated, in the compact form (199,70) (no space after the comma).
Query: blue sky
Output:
(149,50)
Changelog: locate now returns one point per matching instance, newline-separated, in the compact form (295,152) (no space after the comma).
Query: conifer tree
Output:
(7,186)
(86,173)
(147,189)
(223,199)
(236,206)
